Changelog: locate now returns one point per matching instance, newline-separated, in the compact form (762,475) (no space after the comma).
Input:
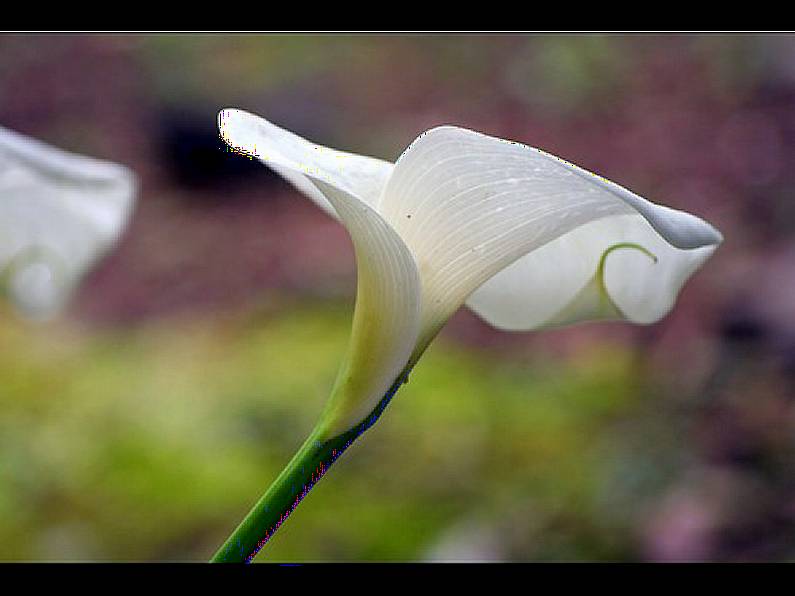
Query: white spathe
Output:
(526,239)
(59,212)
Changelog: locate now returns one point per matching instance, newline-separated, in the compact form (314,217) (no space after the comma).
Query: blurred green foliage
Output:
(152,443)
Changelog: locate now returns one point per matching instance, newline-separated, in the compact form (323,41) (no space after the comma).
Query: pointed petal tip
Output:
(239,129)
(698,234)
(717,237)
(716,234)
(227,117)
(685,230)
(227,114)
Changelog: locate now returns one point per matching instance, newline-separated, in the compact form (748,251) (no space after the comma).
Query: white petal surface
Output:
(59,212)
(387,315)
(555,285)
(299,160)
(468,205)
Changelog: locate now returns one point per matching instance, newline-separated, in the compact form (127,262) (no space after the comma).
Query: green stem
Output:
(307,467)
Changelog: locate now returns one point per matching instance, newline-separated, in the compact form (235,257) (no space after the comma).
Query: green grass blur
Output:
(152,443)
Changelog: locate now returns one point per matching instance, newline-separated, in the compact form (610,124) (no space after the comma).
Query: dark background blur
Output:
(145,421)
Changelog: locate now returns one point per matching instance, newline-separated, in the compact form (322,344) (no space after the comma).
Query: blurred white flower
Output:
(59,212)
(526,239)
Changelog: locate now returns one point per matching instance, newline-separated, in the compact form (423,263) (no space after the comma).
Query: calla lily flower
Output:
(59,213)
(523,238)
